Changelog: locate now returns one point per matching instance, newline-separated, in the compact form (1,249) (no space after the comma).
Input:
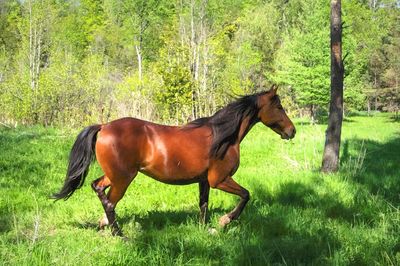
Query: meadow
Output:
(296,215)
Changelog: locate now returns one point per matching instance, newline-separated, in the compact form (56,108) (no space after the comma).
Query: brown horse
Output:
(205,151)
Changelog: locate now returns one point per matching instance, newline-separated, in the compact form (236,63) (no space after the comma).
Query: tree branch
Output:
(345,56)
(5,125)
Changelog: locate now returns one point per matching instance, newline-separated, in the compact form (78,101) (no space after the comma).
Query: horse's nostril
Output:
(293,133)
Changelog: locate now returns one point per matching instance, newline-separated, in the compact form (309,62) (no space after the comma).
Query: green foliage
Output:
(254,46)
(302,62)
(360,44)
(9,13)
(136,97)
(176,95)
(295,216)
(72,62)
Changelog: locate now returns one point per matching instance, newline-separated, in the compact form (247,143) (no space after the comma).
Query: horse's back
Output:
(167,153)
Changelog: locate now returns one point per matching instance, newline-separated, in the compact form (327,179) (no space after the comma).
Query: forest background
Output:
(65,64)
(69,62)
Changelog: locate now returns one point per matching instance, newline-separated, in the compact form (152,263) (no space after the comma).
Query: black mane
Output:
(225,123)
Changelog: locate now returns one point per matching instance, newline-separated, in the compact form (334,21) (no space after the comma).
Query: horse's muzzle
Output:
(289,133)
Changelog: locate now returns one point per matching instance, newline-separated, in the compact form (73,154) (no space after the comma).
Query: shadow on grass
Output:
(292,225)
(5,219)
(18,164)
(289,227)
(395,118)
(283,232)
(13,137)
(20,160)
(375,166)
(264,234)
(348,120)
(161,219)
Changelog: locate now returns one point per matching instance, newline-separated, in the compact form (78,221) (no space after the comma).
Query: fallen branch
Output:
(5,125)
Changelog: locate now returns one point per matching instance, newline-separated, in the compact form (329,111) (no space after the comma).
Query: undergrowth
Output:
(296,215)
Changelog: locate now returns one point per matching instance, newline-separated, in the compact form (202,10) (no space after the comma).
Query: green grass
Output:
(296,215)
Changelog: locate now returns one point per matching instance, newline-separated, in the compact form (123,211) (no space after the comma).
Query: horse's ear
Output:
(274,88)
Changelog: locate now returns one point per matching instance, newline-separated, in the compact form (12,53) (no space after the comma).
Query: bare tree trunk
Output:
(375,92)
(39,54)
(30,46)
(193,59)
(312,114)
(139,59)
(204,90)
(330,161)
(373,4)
(201,59)
(369,106)
(35,53)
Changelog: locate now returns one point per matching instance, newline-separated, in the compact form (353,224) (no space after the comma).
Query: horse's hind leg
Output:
(99,186)
(117,190)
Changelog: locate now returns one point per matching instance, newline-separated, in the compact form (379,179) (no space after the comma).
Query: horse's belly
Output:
(175,156)
(173,180)
(176,172)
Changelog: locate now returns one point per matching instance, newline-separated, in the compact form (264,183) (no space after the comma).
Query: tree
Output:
(301,60)
(330,161)
(82,61)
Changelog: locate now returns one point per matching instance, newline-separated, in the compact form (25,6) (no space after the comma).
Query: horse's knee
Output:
(245,195)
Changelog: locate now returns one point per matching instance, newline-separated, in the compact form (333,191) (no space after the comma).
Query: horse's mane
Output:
(225,123)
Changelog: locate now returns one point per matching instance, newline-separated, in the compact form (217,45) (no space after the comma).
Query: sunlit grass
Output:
(295,216)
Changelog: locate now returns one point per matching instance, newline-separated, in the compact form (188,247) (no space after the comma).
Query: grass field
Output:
(296,215)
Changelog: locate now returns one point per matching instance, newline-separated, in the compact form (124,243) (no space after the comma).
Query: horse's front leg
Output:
(204,189)
(229,185)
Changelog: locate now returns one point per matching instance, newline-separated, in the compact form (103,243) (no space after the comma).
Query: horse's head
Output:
(272,114)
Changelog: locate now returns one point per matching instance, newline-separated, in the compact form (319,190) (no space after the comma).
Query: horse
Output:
(205,151)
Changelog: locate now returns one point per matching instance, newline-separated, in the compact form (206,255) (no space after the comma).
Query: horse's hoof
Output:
(224,220)
(116,232)
(123,238)
(212,231)
(103,223)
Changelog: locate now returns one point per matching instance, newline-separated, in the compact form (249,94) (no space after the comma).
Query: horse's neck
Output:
(245,127)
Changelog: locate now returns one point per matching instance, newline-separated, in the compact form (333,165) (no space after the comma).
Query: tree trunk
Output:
(312,114)
(369,106)
(35,53)
(139,59)
(330,161)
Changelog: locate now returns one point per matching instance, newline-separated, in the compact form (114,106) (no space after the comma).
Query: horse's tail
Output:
(80,158)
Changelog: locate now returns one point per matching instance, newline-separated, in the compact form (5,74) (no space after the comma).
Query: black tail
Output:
(80,158)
